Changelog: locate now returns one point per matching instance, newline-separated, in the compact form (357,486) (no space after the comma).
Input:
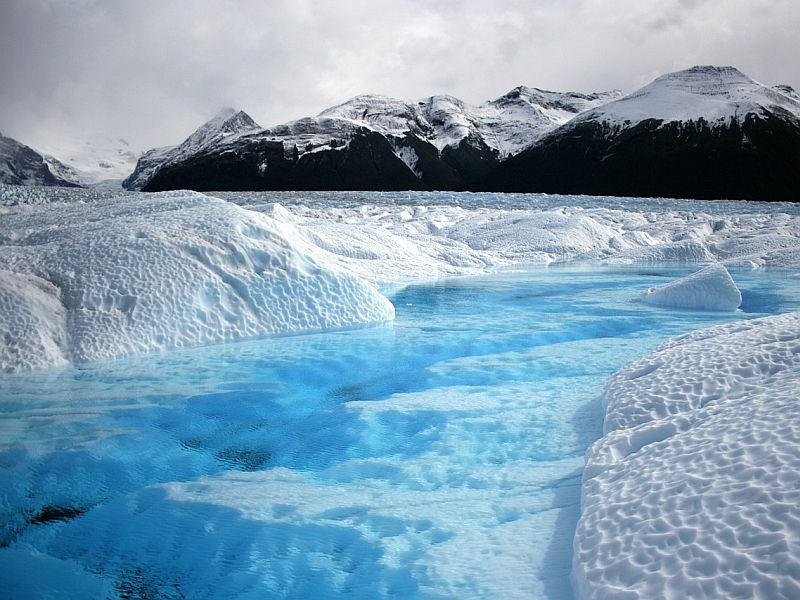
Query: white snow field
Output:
(693,490)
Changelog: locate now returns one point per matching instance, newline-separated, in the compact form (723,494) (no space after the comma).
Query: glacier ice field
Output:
(426,434)
(438,456)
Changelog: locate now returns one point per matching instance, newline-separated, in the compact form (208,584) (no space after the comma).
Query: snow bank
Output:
(694,488)
(123,276)
(711,288)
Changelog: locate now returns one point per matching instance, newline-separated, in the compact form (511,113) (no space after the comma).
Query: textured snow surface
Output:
(114,275)
(695,489)
(711,288)
(399,243)
(33,322)
(716,94)
(122,276)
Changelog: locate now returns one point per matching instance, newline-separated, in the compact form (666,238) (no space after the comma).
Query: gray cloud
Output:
(152,71)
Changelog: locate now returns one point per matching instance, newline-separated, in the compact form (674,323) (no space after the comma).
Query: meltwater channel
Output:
(437,457)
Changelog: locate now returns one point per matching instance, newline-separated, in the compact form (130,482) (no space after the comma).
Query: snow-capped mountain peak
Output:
(226,125)
(384,114)
(227,122)
(705,132)
(568,102)
(707,79)
(715,94)
(524,114)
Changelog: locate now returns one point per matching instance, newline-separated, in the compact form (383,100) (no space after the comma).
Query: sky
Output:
(152,71)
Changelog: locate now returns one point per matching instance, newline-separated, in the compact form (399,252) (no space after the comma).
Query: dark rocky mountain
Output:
(227,125)
(367,143)
(707,132)
(21,165)
(368,163)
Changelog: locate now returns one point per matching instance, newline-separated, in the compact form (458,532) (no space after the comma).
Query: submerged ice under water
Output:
(439,457)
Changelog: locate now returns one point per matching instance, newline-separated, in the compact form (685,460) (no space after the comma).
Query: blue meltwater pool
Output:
(436,457)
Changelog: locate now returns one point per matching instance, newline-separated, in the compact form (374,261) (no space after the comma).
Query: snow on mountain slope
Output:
(227,123)
(224,127)
(107,279)
(506,124)
(499,128)
(147,165)
(705,132)
(313,134)
(383,114)
(523,115)
(715,94)
(787,91)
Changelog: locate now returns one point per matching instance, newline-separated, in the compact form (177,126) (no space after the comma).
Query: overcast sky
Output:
(153,71)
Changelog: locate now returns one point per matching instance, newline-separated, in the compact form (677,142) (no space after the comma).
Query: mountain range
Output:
(369,142)
(705,132)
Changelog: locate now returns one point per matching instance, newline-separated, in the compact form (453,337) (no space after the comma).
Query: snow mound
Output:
(124,276)
(711,288)
(694,488)
(680,251)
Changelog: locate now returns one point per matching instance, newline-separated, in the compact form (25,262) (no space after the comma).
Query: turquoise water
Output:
(437,457)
